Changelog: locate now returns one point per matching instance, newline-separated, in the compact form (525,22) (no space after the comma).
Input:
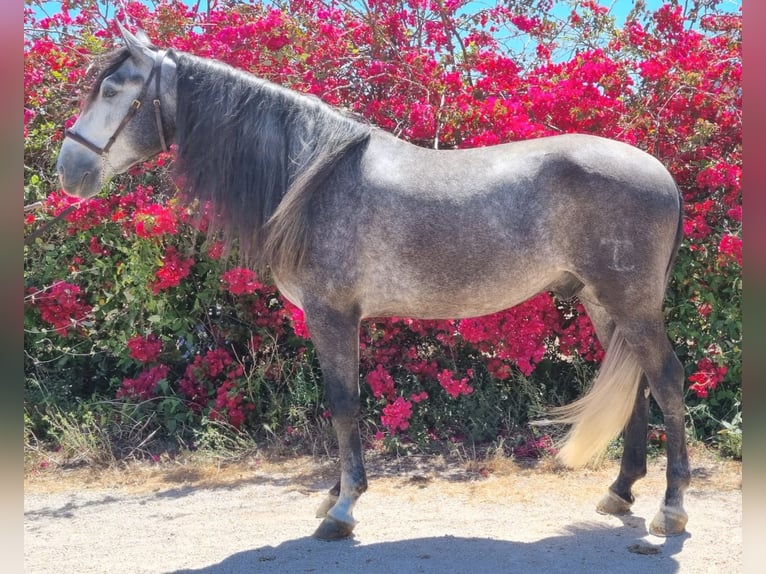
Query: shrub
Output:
(128,300)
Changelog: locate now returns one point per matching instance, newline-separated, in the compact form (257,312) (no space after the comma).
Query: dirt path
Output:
(424,516)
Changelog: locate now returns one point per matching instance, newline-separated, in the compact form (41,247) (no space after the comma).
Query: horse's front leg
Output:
(338,519)
(336,338)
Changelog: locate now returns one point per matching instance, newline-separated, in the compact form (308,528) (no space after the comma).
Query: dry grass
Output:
(434,475)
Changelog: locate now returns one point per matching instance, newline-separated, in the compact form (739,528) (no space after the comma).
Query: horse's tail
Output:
(601,414)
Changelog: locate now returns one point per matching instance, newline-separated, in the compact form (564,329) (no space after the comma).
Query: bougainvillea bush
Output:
(130,304)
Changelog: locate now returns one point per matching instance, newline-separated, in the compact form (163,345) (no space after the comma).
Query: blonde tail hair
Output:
(601,414)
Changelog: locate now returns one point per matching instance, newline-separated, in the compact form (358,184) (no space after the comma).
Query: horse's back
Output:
(397,167)
(536,197)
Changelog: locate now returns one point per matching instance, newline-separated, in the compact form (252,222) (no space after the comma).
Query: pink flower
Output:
(28,115)
(381,383)
(397,415)
(735,213)
(454,387)
(535,448)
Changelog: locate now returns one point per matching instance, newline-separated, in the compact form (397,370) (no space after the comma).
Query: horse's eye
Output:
(108,92)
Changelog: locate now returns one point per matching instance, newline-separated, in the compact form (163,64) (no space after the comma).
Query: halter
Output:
(156,73)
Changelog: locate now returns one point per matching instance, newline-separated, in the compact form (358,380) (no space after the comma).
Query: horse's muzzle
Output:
(79,171)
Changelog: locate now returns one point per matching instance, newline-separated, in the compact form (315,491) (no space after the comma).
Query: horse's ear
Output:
(138,44)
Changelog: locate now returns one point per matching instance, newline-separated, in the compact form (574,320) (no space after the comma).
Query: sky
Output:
(619,8)
(516,44)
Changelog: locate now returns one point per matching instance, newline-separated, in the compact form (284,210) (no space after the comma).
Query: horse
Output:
(353,222)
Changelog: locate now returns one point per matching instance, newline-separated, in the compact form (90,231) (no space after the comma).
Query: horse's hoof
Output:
(669,521)
(326,505)
(332,529)
(613,504)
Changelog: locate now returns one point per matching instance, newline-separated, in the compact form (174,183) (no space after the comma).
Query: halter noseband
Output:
(156,73)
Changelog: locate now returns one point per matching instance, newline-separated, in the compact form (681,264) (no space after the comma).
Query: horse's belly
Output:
(450,294)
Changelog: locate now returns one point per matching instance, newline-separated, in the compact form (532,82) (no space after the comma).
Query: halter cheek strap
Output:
(158,58)
(157,74)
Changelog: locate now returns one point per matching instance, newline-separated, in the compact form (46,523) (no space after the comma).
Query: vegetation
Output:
(141,336)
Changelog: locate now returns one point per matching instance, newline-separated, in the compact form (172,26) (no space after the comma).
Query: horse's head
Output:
(128,117)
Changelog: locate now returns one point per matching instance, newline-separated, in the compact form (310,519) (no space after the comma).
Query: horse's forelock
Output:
(103,67)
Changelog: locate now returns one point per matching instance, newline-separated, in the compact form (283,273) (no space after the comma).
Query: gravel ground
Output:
(420,515)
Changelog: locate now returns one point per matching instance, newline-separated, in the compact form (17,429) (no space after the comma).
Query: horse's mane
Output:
(256,152)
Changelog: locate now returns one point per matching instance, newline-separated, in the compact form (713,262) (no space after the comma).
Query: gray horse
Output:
(353,223)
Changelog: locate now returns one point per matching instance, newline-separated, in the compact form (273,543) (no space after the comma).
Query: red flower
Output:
(145,350)
(215,250)
(174,268)
(730,247)
(230,404)
(518,334)
(143,387)
(240,281)
(61,305)
(707,377)
(154,220)
(696,227)
(211,382)
(97,248)
(299,320)
(705,309)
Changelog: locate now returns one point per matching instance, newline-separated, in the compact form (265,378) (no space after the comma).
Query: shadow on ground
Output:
(585,547)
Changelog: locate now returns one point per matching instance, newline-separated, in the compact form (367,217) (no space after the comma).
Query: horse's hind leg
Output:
(665,377)
(619,497)
(336,338)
